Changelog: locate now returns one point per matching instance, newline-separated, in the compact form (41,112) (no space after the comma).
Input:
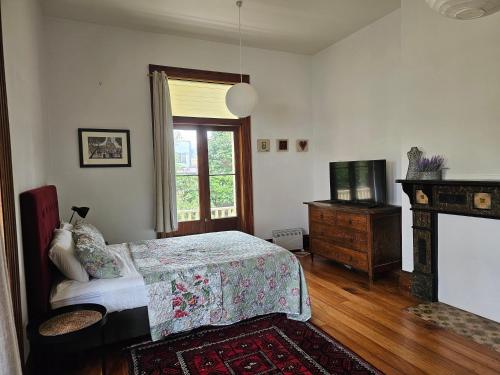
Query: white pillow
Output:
(62,254)
(66,226)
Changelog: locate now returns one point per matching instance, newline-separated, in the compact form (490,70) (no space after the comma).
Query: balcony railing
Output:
(216,213)
(188,215)
(361,194)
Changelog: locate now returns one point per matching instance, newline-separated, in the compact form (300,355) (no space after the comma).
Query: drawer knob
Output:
(321,216)
(350,221)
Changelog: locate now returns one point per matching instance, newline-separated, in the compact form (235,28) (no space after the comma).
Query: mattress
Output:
(121,293)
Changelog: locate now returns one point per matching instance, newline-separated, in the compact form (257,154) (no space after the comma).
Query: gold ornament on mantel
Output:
(421,197)
(482,201)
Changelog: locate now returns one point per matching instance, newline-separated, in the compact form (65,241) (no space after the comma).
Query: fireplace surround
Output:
(453,197)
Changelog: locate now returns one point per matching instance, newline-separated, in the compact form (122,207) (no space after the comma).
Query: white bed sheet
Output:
(121,293)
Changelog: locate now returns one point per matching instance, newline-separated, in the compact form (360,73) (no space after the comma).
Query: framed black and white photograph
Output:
(104,148)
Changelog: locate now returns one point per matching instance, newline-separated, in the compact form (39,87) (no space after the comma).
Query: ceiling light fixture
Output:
(242,97)
(465,9)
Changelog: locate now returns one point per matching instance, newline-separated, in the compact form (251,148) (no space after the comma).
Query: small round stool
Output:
(69,329)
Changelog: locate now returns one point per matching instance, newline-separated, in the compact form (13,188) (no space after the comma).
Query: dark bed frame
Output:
(39,218)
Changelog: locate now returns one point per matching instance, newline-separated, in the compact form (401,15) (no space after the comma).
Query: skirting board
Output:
(405,278)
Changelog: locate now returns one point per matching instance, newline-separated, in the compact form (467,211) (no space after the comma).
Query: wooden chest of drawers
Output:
(367,239)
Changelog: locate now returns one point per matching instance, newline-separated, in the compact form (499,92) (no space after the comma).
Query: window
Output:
(218,176)
(212,153)
(222,174)
(187,176)
(199,99)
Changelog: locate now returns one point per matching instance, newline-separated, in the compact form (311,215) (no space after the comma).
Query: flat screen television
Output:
(361,182)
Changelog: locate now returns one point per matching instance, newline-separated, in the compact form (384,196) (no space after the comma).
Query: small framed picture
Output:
(282,145)
(263,145)
(104,148)
(302,145)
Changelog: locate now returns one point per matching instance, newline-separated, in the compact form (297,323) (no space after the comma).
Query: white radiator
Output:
(290,239)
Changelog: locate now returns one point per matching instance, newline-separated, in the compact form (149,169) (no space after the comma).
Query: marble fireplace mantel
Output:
(428,198)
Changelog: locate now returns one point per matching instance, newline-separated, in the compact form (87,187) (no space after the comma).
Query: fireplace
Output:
(430,198)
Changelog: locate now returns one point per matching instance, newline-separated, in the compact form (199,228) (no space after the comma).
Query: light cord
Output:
(239,4)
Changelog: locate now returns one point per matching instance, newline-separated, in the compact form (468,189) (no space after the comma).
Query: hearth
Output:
(473,327)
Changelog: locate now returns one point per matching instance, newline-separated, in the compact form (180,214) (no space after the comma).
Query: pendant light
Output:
(465,9)
(242,97)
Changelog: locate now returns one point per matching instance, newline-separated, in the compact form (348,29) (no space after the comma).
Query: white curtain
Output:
(164,156)
(10,363)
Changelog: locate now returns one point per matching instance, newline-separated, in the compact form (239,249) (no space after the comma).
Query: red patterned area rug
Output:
(270,345)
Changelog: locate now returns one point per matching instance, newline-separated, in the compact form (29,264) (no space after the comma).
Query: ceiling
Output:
(300,26)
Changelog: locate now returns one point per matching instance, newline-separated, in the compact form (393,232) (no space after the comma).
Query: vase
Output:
(431,175)
(414,156)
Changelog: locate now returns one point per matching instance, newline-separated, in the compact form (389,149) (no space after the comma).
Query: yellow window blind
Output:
(199,99)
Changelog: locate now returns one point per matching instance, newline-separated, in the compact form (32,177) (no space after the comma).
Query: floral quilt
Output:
(218,279)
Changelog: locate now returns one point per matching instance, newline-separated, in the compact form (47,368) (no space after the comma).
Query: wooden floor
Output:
(371,322)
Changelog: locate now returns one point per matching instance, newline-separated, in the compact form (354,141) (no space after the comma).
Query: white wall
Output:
(415,78)
(356,102)
(468,264)
(96,77)
(22,30)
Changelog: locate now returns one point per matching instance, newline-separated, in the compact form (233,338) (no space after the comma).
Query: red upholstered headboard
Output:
(39,218)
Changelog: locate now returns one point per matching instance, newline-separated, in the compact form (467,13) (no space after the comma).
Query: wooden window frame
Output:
(7,206)
(244,157)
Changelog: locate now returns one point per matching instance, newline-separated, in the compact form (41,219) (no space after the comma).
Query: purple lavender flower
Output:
(436,163)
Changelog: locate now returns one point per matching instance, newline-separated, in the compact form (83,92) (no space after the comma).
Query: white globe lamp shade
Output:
(241,99)
(465,9)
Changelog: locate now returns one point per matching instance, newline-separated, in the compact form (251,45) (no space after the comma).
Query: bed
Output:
(169,285)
